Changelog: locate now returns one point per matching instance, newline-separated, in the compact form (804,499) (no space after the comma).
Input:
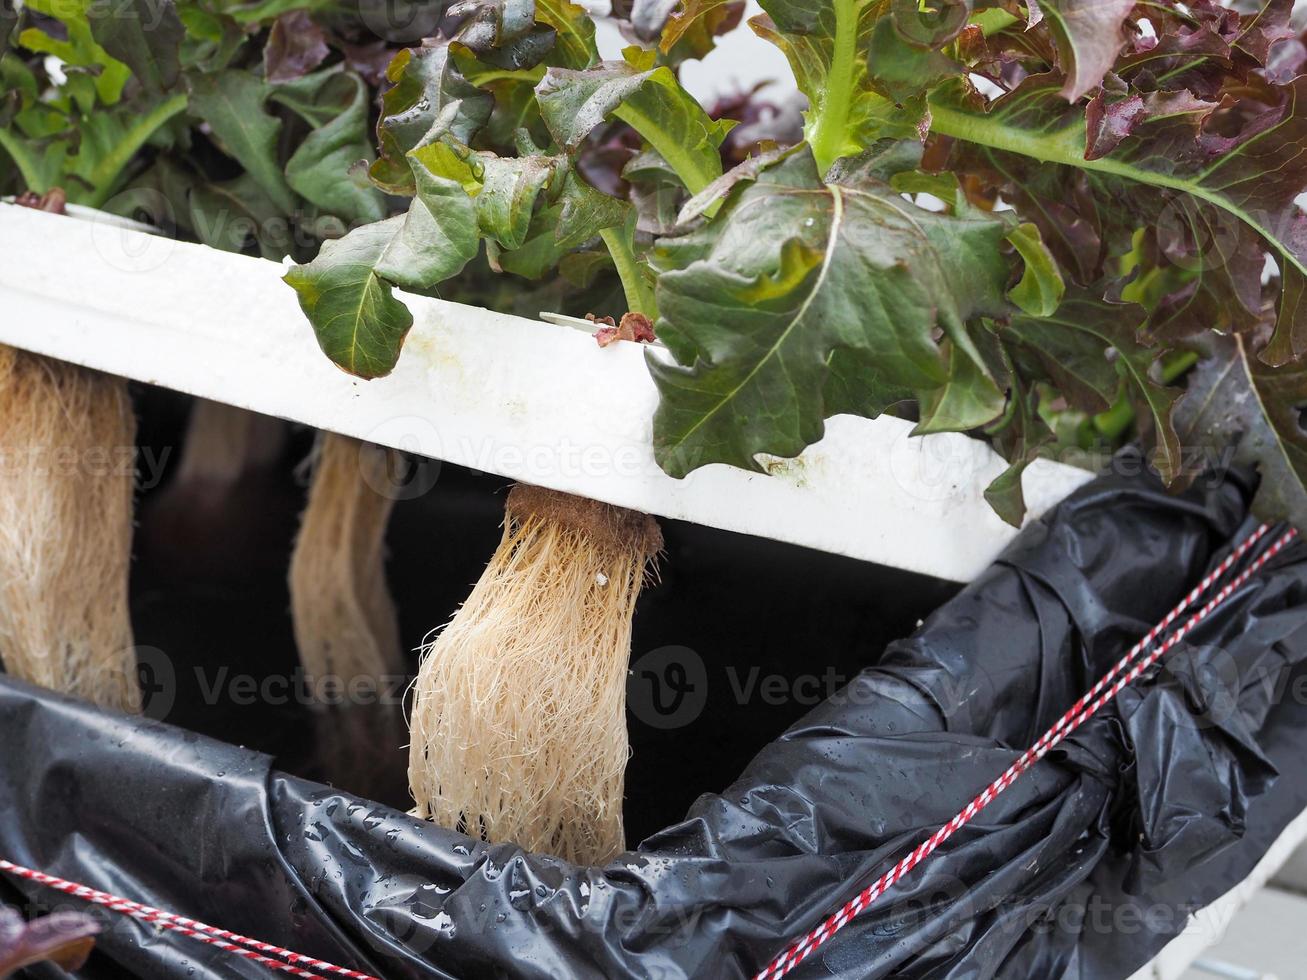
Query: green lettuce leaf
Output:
(438,236)
(1041,287)
(514,112)
(335,104)
(359,323)
(78,48)
(1071,344)
(827,44)
(224,214)
(650,100)
(428,98)
(146,35)
(754,303)
(574,33)
(968,399)
(1020,436)
(575,215)
(8,21)
(233,104)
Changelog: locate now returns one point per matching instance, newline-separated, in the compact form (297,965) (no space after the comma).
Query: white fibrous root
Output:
(518,730)
(223,443)
(345,622)
(67,448)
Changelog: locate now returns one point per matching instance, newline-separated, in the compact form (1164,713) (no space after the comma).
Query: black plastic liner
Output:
(1085,868)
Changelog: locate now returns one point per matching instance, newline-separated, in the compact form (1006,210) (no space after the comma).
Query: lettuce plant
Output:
(1059,223)
(232,123)
(997,217)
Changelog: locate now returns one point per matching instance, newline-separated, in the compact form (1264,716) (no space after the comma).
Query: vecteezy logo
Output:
(667,687)
(402,477)
(126,245)
(402,21)
(158,682)
(932,24)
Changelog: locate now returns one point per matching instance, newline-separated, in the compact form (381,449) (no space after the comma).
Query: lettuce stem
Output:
(104,178)
(23,161)
(993,20)
(827,135)
(639,294)
(694,177)
(1114,423)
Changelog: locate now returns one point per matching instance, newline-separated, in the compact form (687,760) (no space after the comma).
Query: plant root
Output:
(67,446)
(518,730)
(345,622)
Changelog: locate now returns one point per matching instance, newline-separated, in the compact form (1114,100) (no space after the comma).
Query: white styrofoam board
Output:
(520,398)
(1265,941)
(1293,876)
(1206,927)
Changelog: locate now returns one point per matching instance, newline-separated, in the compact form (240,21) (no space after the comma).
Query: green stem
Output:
(1113,423)
(23,160)
(1177,364)
(104,178)
(993,20)
(695,177)
(639,295)
(1066,146)
(831,115)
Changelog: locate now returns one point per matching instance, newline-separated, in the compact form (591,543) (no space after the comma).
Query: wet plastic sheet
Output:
(1085,868)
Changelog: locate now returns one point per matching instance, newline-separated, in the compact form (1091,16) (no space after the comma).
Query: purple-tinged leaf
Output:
(761,123)
(1089,37)
(1215,187)
(1108,123)
(1263,31)
(62,938)
(296,45)
(647,17)
(697,23)
(368,60)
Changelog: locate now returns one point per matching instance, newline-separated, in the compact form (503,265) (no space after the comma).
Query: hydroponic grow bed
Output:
(523,399)
(219,326)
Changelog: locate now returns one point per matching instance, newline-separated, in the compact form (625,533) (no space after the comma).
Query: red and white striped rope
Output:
(229,941)
(1100,694)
